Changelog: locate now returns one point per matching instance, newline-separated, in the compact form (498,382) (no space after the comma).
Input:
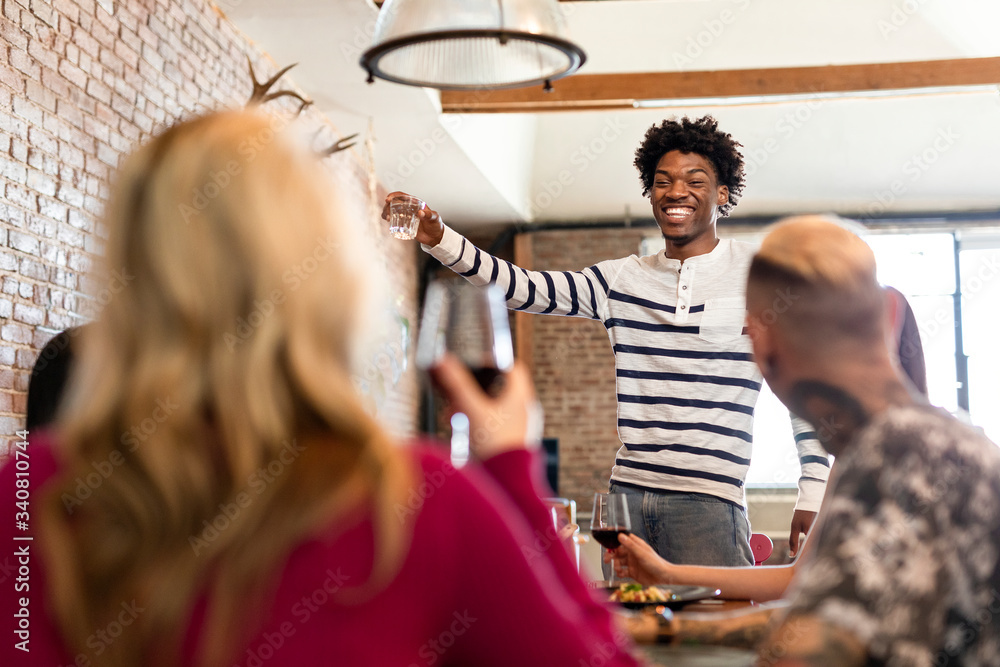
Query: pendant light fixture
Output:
(471,44)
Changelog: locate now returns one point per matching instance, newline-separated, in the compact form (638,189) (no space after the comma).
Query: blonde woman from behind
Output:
(245,509)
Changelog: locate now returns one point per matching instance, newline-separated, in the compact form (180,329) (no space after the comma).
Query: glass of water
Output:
(403,220)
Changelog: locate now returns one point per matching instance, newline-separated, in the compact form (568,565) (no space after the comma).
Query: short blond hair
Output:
(820,249)
(823,275)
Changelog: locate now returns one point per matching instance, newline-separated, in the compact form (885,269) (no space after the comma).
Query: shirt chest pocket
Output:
(723,319)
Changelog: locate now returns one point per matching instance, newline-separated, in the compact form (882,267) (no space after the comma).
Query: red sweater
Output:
(484,583)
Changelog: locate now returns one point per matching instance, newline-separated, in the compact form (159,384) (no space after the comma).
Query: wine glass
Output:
(610,517)
(471,323)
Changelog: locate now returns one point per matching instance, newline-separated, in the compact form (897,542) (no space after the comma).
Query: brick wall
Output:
(83,82)
(571,359)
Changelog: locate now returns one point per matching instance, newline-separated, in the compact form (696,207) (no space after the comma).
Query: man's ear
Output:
(762,339)
(723,195)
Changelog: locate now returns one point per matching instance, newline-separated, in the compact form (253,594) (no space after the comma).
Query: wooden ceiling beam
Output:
(616,91)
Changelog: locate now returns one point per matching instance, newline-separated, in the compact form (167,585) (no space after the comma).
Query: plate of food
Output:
(637,596)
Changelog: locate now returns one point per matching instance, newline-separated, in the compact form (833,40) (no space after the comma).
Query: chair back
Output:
(563,512)
(761,546)
(562,509)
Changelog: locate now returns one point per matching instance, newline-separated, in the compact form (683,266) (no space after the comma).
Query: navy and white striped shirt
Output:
(687,383)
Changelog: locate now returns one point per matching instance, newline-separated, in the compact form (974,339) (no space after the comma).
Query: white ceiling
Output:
(855,156)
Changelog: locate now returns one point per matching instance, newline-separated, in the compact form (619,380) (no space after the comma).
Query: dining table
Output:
(700,655)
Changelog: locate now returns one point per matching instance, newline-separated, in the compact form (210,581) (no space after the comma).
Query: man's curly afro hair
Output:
(701,136)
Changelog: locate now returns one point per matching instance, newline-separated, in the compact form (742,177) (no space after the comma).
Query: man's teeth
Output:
(678,212)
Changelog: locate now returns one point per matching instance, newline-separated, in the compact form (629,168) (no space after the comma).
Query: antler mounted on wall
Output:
(261,94)
(337,146)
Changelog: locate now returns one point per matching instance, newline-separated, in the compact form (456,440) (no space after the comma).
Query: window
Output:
(921,265)
(980,265)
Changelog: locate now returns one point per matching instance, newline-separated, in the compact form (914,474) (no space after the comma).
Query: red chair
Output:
(761,546)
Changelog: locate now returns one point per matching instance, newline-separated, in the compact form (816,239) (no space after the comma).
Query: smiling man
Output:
(686,380)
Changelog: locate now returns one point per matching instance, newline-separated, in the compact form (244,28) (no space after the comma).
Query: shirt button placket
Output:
(682,295)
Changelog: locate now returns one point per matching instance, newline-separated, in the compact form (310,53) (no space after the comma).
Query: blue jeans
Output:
(689,528)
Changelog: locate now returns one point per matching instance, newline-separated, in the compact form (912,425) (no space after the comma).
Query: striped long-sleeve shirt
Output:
(686,381)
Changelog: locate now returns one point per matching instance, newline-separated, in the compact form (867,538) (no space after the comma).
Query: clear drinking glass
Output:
(403,220)
(610,517)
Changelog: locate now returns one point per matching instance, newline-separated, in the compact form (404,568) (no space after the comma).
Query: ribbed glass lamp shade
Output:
(471,44)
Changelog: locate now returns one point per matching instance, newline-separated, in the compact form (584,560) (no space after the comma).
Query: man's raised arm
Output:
(572,293)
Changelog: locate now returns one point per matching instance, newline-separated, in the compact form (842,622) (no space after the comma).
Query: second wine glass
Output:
(610,517)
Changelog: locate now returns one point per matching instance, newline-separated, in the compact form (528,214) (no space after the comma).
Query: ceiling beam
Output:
(617,91)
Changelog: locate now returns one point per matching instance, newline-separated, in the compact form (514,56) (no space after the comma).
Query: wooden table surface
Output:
(697,656)
(688,655)
(701,656)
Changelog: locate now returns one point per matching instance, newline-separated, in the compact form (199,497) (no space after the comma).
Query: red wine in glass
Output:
(608,537)
(609,519)
(491,379)
(472,324)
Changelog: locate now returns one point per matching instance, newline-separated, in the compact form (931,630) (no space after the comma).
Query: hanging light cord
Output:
(503,34)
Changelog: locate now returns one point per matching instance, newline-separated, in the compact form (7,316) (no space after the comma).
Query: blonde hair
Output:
(229,349)
(822,278)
